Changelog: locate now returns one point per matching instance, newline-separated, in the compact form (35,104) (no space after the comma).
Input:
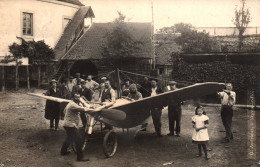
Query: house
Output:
(165,46)
(86,54)
(39,20)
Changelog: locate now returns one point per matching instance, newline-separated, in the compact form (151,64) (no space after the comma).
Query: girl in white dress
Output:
(200,134)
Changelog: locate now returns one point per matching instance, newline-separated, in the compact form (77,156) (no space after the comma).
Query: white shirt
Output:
(70,86)
(91,84)
(154,91)
(72,114)
(226,99)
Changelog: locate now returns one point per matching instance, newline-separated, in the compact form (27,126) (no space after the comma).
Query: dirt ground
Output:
(26,141)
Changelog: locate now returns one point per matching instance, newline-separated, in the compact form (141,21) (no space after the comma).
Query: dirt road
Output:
(25,140)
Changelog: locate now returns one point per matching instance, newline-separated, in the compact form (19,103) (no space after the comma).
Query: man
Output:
(76,88)
(66,88)
(84,91)
(125,87)
(86,94)
(108,94)
(70,84)
(52,111)
(71,122)
(102,84)
(91,84)
(133,93)
(228,99)
(76,79)
(145,88)
(156,112)
(174,113)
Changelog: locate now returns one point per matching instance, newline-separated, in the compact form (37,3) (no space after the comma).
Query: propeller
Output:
(116,115)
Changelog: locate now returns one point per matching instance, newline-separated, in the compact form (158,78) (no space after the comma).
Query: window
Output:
(27,24)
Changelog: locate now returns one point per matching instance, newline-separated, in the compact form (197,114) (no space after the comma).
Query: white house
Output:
(39,20)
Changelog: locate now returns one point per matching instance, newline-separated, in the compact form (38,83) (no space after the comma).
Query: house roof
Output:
(69,32)
(75,2)
(89,46)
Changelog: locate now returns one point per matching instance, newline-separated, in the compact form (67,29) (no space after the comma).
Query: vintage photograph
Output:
(130,83)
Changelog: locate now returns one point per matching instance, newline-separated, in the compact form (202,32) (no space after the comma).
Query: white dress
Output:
(201,135)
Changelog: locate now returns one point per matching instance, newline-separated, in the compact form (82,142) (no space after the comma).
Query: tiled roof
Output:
(75,2)
(89,46)
(69,32)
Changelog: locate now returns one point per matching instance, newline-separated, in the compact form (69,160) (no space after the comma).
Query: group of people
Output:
(77,88)
(200,121)
(85,88)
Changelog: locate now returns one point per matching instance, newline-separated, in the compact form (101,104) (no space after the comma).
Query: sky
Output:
(199,13)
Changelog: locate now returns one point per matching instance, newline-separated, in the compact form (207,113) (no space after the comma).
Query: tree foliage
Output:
(191,40)
(241,20)
(119,42)
(35,51)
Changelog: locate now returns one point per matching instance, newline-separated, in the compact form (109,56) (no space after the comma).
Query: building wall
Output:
(230,43)
(228,31)
(48,24)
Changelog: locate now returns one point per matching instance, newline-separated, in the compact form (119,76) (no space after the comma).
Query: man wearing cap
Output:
(156,112)
(174,112)
(76,79)
(125,87)
(228,99)
(145,88)
(52,111)
(71,122)
(76,88)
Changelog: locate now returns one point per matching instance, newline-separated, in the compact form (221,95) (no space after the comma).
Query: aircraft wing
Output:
(57,99)
(190,92)
(138,111)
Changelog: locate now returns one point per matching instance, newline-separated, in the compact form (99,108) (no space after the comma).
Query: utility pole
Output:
(152,37)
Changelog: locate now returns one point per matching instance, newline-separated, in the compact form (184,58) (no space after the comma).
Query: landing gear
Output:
(110,144)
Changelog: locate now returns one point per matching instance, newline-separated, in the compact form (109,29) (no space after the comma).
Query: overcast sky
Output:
(200,13)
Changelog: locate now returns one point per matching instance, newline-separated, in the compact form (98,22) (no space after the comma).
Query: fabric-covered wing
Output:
(60,100)
(138,111)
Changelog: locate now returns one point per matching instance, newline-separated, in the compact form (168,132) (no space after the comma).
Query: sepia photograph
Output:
(130,83)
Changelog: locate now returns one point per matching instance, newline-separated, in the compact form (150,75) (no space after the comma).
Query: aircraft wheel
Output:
(110,144)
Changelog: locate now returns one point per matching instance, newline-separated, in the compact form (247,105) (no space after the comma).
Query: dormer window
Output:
(27,24)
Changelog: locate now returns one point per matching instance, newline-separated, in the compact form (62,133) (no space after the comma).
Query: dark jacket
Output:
(145,88)
(158,91)
(52,110)
(87,93)
(106,95)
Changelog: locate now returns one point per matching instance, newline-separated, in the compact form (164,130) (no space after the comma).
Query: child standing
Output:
(200,134)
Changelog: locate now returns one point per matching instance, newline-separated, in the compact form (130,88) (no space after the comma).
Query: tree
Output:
(36,52)
(119,42)
(193,41)
(241,21)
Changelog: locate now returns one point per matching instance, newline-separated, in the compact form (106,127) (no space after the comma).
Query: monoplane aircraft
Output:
(125,113)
